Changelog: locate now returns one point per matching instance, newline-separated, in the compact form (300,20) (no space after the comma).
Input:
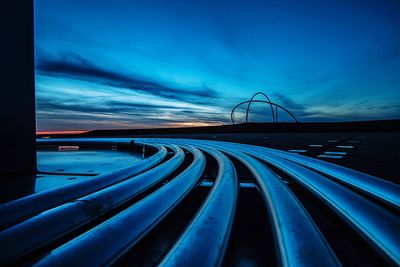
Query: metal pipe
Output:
(205,239)
(375,187)
(25,207)
(114,237)
(40,230)
(380,189)
(377,226)
(289,228)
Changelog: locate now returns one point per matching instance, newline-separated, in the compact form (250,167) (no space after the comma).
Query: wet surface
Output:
(57,168)
(84,161)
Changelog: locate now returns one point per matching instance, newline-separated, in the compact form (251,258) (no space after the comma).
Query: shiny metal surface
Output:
(36,232)
(366,204)
(24,207)
(207,235)
(115,236)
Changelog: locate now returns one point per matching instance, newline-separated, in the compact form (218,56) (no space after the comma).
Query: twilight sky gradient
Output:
(141,64)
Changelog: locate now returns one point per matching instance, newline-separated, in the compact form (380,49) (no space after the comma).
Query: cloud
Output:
(67,114)
(110,106)
(79,68)
(289,104)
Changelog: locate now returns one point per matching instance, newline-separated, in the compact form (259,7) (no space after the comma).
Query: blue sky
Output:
(143,64)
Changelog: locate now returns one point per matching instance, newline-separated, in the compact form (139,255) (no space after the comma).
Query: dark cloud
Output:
(76,67)
(115,114)
(107,107)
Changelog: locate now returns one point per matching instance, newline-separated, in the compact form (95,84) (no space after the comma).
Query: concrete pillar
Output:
(17,90)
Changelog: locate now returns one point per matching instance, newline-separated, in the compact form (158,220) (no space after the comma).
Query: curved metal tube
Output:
(40,230)
(115,236)
(25,207)
(378,226)
(289,228)
(205,239)
(380,189)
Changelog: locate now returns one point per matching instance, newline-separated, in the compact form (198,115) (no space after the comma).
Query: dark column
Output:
(17,90)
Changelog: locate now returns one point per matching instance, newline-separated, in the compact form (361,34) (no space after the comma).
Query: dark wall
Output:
(17,88)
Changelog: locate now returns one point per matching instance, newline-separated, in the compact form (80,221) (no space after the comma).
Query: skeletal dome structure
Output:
(274,108)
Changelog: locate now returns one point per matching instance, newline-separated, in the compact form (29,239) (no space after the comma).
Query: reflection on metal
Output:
(329,156)
(109,221)
(32,204)
(345,146)
(274,112)
(335,153)
(297,150)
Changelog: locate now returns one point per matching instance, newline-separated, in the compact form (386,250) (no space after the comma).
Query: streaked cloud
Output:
(157,63)
(76,67)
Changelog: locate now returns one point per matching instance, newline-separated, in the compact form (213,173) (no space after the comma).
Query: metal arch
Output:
(262,101)
(251,100)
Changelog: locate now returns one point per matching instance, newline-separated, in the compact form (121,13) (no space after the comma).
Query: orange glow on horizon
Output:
(62,132)
(172,125)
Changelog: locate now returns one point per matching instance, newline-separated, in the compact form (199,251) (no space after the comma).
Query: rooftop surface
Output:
(335,201)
